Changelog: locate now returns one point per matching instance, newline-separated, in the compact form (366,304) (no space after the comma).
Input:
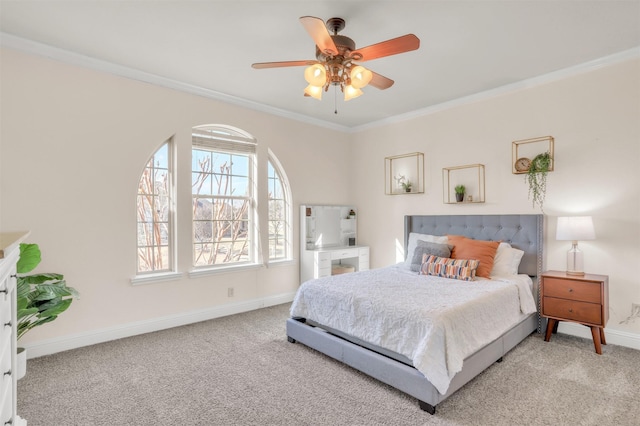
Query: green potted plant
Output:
(460,193)
(536,177)
(40,297)
(407,186)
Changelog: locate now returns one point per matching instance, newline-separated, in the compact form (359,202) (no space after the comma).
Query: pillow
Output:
(483,251)
(414,237)
(507,261)
(425,247)
(459,269)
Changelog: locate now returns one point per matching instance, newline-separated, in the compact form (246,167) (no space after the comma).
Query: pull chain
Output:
(335,100)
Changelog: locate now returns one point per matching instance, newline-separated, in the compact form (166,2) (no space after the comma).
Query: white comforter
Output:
(436,322)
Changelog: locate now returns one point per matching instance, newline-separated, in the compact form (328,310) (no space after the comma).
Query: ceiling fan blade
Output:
(319,33)
(380,82)
(406,43)
(261,65)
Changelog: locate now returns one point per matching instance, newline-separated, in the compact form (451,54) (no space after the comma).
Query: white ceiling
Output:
(467,47)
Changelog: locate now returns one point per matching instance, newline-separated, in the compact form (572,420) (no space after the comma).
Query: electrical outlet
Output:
(230,292)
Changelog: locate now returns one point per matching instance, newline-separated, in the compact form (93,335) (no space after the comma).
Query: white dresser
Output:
(328,242)
(325,260)
(9,254)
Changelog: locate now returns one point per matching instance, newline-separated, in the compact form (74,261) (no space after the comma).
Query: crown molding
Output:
(62,55)
(573,71)
(28,46)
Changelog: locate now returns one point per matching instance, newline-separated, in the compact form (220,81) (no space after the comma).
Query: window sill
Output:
(283,262)
(153,278)
(224,270)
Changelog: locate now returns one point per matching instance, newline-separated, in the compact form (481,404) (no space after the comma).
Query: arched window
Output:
(223,170)
(154,212)
(279,211)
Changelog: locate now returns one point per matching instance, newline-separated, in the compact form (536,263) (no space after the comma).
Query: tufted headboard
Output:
(523,232)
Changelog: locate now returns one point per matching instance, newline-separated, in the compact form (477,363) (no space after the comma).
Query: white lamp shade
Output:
(313,91)
(351,92)
(576,228)
(360,77)
(315,75)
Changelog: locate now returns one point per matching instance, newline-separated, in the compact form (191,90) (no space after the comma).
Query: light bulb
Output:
(360,77)
(313,91)
(351,92)
(315,75)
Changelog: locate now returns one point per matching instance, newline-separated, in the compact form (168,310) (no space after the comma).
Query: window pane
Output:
(161,157)
(279,227)
(153,213)
(240,165)
(162,209)
(239,209)
(276,210)
(240,186)
(222,224)
(145,234)
(163,231)
(145,210)
(200,161)
(221,162)
(145,259)
(277,190)
(201,183)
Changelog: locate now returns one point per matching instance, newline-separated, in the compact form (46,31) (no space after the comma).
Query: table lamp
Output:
(574,229)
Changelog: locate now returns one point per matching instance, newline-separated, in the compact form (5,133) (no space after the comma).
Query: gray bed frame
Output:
(524,232)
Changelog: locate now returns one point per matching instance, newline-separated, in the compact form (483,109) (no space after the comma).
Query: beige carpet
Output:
(240,370)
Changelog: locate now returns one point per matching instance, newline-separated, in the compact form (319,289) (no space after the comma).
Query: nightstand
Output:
(578,298)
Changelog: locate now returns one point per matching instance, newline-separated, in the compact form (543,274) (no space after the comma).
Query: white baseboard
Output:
(51,346)
(614,337)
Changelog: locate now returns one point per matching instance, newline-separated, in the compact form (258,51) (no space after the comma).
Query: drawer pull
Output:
(570,309)
(7,373)
(570,290)
(5,291)
(9,422)
(7,324)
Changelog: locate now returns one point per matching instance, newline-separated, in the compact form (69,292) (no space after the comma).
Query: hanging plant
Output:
(536,177)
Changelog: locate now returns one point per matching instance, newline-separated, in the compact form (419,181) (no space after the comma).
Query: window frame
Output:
(272,161)
(226,140)
(168,272)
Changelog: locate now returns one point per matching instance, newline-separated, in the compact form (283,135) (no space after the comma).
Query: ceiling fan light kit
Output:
(316,75)
(335,55)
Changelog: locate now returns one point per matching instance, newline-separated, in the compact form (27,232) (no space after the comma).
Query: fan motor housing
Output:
(344,44)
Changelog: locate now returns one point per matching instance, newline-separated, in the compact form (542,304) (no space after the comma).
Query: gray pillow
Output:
(425,247)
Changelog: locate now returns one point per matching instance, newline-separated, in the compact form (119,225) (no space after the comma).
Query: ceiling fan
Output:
(336,55)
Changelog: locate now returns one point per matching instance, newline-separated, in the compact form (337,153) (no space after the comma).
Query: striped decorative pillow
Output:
(459,269)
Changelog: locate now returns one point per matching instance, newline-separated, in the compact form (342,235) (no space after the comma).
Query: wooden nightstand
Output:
(582,299)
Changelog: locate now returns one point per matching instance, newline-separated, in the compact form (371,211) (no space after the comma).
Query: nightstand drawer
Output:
(574,290)
(571,310)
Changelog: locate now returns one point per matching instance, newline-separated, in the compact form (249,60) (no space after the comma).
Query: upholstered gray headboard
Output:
(523,232)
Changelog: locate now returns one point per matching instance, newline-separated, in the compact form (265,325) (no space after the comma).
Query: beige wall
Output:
(74,142)
(595,120)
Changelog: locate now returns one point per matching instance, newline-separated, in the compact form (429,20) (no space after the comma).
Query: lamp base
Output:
(575,261)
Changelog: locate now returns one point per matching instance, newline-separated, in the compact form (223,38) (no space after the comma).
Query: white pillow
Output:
(507,261)
(414,237)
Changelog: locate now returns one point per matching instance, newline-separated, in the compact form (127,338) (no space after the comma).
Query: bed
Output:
(422,369)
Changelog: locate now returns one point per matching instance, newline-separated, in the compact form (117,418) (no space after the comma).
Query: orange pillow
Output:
(484,251)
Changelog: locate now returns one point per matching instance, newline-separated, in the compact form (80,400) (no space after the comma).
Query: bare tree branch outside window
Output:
(221,208)
(278,243)
(153,212)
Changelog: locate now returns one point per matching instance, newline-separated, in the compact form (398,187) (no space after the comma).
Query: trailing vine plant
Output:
(536,177)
